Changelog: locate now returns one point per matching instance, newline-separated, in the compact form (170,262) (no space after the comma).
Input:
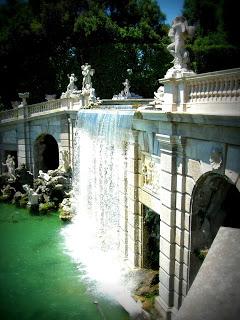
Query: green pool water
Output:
(38,280)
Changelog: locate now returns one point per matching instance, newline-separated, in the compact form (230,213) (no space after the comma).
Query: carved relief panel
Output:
(150,171)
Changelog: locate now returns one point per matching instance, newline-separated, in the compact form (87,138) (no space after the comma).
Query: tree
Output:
(217,41)
(41,42)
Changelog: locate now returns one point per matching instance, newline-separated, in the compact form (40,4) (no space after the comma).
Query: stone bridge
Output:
(183,165)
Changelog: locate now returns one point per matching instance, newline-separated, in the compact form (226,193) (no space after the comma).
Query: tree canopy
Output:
(217,41)
(43,41)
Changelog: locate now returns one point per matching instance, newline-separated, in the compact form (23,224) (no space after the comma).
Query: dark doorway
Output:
(151,238)
(46,154)
(214,204)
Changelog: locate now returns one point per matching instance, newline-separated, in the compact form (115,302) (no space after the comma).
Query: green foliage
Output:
(151,222)
(41,42)
(214,57)
(217,41)
(45,208)
(201,254)
(23,201)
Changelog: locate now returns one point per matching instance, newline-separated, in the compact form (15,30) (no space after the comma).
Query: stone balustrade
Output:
(210,93)
(44,106)
(214,87)
(8,115)
(28,111)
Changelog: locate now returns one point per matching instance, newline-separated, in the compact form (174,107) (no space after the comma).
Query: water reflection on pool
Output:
(38,280)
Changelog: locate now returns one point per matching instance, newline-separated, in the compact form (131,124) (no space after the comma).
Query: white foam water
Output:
(93,239)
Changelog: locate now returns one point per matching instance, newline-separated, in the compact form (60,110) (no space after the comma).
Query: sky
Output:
(171,8)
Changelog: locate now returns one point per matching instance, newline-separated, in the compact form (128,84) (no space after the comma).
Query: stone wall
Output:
(189,147)
(21,136)
(169,154)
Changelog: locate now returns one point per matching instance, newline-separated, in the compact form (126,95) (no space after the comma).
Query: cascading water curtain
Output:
(99,170)
(99,181)
(99,176)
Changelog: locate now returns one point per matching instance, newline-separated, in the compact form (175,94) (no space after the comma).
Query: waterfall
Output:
(95,238)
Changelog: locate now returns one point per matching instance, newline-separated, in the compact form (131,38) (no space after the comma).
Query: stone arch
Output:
(214,203)
(46,153)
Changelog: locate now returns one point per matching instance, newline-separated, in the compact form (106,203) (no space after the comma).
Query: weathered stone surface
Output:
(215,293)
(233,164)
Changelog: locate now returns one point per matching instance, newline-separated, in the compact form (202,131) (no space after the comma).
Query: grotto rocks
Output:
(49,191)
(23,176)
(7,193)
(65,210)
(146,288)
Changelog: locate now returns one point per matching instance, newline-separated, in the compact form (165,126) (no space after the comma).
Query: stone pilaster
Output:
(171,233)
(24,144)
(71,122)
(133,218)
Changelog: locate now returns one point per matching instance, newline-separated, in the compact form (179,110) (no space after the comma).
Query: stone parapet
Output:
(210,93)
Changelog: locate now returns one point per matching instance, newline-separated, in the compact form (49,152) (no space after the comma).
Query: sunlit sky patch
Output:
(171,8)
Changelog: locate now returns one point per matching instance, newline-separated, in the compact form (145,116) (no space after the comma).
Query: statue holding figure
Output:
(33,197)
(24,96)
(72,90)
(87,73)
(125,93)
(10,164)
(71,86)
(178,33)
(65,166)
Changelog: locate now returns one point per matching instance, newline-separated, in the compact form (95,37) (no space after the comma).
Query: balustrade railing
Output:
(222,86)
(209,92)
(27,111)
(43,107)
(8,115)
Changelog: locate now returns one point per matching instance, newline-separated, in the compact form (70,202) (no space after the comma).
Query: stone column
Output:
(175,94)
(171,215)
(170,95)
(133,231)
(65,135)
(25,147)
(71,122)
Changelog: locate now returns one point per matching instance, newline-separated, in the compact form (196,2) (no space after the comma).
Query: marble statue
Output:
(126,90)
(32,195)
(24,96)
(178,34)
(88,92)
(10,164)
(50,97)
(43,175)
(65,166)
(71,86)
(87,96)
(15,104)
(159,94)
(72,91)
(125,93)
(87,73)
(216,158)
(158,97)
